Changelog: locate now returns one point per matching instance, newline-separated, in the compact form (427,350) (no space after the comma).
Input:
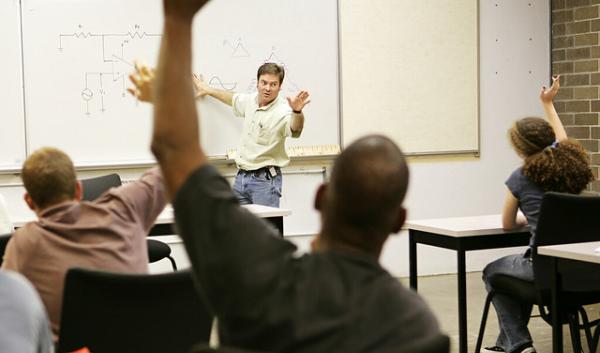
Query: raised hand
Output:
(143,80)
(200,86)
(298,102)
(185,9)
(548,94)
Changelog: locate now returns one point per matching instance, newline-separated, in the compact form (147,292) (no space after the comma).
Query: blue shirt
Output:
(529,195)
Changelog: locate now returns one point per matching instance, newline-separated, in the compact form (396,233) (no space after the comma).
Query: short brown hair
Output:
(272,69)
(49,177)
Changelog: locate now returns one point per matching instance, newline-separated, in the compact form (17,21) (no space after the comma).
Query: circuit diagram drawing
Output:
(216,81)
(115,59)
(289,85)
(237,50)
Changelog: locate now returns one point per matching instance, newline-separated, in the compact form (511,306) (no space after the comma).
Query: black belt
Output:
(257,172)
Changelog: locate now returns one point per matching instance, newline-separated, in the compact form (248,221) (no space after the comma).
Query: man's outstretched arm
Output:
(203,89)
(143,79)
(175,139)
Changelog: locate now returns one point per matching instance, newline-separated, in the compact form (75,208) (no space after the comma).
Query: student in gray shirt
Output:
(25,327)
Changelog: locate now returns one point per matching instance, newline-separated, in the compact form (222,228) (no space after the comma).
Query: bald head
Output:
(367,186)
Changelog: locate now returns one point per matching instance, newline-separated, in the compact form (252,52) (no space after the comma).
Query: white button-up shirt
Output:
(264,133)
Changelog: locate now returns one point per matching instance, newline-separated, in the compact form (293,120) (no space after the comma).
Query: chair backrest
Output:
(113,313)
(564,218)
(94,187)
(157,250)
(3,242)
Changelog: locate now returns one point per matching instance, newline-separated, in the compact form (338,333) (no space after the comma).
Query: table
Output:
(461,234)
(165,221)
(565,253)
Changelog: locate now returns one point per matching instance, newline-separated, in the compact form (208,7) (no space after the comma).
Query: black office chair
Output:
(3,242)
(157,250)
(121,313)
(94,187)
(563,219)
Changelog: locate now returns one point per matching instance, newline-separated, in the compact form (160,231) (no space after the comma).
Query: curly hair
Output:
(564,168)
(560,167)
(530,135)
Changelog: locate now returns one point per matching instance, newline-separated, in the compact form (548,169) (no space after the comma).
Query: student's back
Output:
(108,233)
(333,302)
(336,299)
(266,298)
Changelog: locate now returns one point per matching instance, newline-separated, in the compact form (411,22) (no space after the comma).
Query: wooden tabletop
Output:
(588,252)
(462,226)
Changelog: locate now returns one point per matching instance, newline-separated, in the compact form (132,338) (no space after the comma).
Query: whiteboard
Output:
(12,133)
(78,54)
(413,75)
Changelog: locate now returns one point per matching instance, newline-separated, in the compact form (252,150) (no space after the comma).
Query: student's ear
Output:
(78,191)
(314,243)
(29,201)
(399,220)
(320,196)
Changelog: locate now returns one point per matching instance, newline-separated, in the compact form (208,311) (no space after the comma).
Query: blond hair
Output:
(49,177)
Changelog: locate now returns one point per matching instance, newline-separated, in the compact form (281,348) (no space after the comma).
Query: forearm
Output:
(554,121)
(297,123)
(175,141)
(223,96)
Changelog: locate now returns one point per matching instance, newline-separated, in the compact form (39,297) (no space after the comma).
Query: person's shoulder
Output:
(517,174)
(399,298)
(27,234)
(391,287)
(516,179)
(244,97)
(15,284)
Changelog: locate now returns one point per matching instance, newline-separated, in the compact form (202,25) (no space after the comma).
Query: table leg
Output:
(277,222)
(412,260)
(557,342)
(462,302)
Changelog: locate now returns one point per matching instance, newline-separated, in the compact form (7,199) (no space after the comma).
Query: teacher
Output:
(268,121)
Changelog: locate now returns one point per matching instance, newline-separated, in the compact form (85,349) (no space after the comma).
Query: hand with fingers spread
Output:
(200,86)
(548,94)
(298,102)
(143,80)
